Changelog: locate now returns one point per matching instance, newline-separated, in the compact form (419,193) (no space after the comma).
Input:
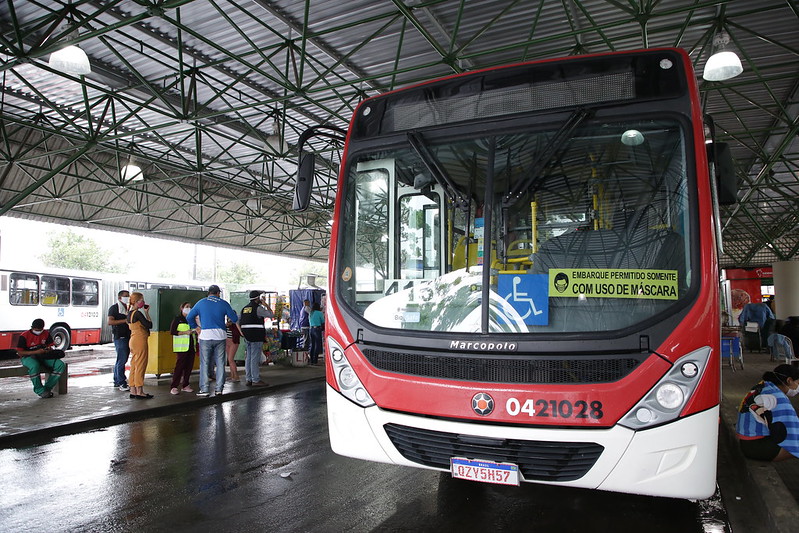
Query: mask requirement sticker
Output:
(612,283)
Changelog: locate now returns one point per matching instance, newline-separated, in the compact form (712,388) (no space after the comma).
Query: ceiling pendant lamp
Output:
(70,60)
(253,203)
(131,171)
(723,64)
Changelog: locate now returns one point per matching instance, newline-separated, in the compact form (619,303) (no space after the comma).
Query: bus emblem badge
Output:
(482,404)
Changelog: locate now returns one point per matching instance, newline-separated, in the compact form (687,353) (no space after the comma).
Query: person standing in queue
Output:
(305,326)
(253,328)
(211,312)
(140,325)
(36,353)
(317,322)
(184,344)
(118,320)
(760,313)
(232,342)
(768,427)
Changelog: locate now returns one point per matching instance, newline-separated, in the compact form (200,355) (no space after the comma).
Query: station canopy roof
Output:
(208,97)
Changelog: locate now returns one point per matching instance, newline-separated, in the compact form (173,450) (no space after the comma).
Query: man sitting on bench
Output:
(35,349)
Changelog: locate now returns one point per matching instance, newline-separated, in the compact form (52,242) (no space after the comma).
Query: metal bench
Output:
(21,371)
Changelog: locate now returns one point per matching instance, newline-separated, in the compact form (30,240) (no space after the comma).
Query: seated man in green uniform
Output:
(35,349)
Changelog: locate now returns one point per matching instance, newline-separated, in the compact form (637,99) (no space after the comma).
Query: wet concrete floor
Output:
(263,463)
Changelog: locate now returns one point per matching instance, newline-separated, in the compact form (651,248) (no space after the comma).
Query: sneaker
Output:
(187,389)
(249,383)
(219,393)
(201,393)
(260,383)
(124,387)
(46,394)
(174,390)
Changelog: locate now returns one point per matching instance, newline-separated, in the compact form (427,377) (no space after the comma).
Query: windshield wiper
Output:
(453,192)
(552,147)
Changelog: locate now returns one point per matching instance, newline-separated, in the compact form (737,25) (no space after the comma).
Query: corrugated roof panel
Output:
(242,69)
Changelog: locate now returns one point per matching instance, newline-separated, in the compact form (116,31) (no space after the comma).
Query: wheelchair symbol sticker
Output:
(527,294)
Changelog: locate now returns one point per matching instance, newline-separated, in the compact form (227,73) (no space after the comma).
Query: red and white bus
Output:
(74,306)
(523,277)
(70,305)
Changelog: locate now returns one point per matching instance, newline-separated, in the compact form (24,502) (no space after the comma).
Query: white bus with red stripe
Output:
(71,306)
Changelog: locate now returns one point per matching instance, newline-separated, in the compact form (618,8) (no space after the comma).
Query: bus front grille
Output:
(504,369)
(537,460)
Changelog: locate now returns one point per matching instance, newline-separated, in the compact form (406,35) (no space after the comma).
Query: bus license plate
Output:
(485,471)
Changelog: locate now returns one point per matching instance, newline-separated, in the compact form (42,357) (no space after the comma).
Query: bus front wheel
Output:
(61,338)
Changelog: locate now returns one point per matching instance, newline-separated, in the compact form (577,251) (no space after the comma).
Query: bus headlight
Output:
(347,378)
(666,399)
(348,383)
(669,396)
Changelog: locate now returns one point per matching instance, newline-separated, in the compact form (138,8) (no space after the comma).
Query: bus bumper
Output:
(675,460)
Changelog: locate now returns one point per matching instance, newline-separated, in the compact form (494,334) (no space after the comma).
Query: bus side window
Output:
(85,292)
(55,290)
(24,289)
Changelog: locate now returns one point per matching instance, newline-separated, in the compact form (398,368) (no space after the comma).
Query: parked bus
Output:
(523,279)
(70,305)
(73,305)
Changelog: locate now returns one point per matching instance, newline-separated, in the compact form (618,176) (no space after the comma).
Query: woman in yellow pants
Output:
(140,325)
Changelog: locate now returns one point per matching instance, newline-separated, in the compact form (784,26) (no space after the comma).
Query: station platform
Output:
(776,483)
(92,402)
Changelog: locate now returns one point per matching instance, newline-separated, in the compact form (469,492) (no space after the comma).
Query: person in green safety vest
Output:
(184,344)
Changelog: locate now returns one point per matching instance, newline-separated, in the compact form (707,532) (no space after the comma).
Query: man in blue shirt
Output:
(211,312)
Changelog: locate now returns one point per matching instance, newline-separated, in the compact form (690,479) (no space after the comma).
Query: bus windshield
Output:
(584,226)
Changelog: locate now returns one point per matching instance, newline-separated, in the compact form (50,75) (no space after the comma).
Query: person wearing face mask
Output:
(35,349)
(184,344)
(140,325)
(768,426)
(118,320)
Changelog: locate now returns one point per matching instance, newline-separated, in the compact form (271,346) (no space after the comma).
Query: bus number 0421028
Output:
(554,408)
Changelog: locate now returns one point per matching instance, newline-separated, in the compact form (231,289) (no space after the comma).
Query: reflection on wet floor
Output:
(263,463)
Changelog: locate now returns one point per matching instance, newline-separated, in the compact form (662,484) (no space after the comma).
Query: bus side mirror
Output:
(304,184)
(305,169)
(719,155)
